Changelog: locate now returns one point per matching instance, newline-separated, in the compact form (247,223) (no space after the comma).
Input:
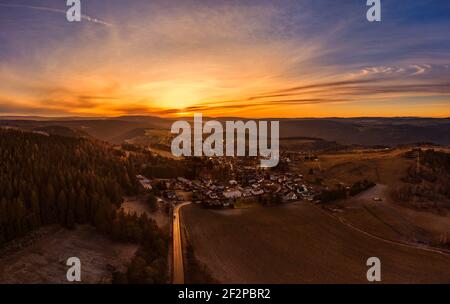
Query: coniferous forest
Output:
(47,180)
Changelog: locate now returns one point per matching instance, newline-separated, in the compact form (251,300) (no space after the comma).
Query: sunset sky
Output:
(299,58)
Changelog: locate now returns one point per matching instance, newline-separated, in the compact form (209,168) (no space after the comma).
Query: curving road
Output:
(178,269)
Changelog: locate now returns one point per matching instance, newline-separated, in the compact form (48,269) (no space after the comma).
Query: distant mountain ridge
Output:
(361,130)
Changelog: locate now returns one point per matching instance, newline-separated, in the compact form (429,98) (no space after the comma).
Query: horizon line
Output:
(18,117)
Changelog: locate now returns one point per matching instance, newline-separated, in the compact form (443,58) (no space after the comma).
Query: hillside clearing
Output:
(45,260)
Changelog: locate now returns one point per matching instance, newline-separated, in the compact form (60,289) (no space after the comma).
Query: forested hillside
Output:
(64,180)
(53,179)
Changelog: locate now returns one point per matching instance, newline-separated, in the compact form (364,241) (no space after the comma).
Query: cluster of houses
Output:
(248,182)
(250,186)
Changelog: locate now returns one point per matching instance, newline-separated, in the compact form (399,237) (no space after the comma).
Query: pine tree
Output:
(62,207)
(70,221)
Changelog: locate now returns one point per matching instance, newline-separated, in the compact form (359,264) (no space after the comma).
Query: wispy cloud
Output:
(55,10)
(258,58)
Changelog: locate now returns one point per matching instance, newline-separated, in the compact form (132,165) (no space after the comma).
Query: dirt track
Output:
(300,244)
(388,220)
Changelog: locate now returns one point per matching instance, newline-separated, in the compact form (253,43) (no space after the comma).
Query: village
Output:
(248,184)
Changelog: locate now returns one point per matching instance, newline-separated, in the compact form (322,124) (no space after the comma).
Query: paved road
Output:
(178,269)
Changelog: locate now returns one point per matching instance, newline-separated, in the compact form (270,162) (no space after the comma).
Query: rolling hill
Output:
(361,131)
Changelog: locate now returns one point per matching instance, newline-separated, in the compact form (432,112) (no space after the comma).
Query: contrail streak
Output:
(55,10)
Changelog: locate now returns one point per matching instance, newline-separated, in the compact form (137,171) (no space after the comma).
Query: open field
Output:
(45,260)
(300,243)
(139,206)
(386,218)
(380,166)
(391,221)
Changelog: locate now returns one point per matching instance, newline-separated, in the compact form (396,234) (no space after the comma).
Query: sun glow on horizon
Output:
(259,60)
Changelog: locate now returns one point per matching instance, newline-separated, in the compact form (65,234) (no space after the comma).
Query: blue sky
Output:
(255,58)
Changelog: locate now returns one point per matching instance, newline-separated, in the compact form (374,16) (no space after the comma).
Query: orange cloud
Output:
(224,61)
